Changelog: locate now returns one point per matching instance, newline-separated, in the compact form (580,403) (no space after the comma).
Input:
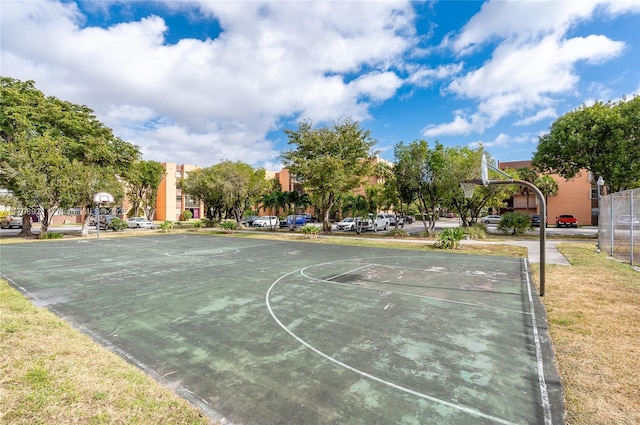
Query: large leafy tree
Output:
(227,188)
(329,161)
(463,163)
(419,174)
(603,138)
(143,180)
(74,153)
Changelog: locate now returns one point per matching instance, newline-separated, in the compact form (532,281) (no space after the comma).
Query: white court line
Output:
(369,376)
(544,394)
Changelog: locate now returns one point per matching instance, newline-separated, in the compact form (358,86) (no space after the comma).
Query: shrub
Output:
(477,231)
(117,224)
(187,215)
(229,225)
(198,224)
(516,223)
(399,233)
(450,238)
(52,235)
(166,226)
(310,231)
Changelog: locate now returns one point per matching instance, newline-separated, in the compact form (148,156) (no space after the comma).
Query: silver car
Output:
(139,223)
(491,219)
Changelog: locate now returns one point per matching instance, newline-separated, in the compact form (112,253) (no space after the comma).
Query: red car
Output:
(566,220)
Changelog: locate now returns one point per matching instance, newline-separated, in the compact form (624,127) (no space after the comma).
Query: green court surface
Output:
(273,332)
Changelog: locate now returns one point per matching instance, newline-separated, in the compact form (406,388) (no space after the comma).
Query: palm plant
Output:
(528,175)
(548,186)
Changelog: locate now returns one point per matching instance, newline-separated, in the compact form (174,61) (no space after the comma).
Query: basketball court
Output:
(275,332)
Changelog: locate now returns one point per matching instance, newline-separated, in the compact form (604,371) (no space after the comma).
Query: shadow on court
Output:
(271,332)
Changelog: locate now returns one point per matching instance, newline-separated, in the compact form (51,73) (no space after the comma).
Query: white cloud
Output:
(459,126)
(542,114)
(533,61)
(215,99)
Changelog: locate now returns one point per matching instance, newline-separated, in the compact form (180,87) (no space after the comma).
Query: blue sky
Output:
(198,82)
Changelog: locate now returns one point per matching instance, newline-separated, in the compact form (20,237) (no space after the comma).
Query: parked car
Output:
(300,220)
(391,219)
(535,221)
(104,221)
(310,218)
(139,223)
(248,221)
(9,221)
(266,221)
(491,219)
(566,220)
(380,222)
(348,223)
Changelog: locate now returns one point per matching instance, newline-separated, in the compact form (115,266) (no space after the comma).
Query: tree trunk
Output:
(45,224)
(26,226)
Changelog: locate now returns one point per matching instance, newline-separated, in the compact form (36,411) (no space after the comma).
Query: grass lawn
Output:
(51,373)
(594,318)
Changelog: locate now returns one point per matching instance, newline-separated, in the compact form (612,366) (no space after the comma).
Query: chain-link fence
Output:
(619,225)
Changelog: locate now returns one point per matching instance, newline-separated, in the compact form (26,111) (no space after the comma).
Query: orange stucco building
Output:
(578,196)
(171,202)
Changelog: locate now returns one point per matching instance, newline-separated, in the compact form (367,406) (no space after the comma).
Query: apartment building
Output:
(171,201)
(577,196)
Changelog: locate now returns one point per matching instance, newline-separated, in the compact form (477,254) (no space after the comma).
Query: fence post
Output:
(613,229)
(631,227)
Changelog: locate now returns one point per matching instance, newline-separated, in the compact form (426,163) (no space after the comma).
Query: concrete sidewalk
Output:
(552,255)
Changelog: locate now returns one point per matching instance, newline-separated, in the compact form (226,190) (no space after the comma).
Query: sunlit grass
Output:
(52,374)
(593,310)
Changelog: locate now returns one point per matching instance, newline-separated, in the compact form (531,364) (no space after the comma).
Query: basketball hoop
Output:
(468,188)
(103,198)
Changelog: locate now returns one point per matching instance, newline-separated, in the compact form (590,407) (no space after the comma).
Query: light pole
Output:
(600,183)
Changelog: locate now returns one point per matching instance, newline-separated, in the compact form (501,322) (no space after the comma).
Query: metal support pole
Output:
(97,211)
(543,221)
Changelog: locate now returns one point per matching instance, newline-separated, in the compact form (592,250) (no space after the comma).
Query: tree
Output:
(358,206)
(271,202)
(227,188)
(143,180)
(528,175)
(329,161)
(462,163)
(548,187)
(419,175)
(295,200)
(74,153)
(603,138)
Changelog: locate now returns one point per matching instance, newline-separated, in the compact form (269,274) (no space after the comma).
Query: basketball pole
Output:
(543,218)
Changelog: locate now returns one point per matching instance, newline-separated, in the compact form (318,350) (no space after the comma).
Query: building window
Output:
(179,174)
(594,193)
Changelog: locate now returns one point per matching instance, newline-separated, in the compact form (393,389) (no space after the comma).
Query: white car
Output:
(351,223)
(381,222)
(266,221)
(348,223)
(10,221)
(139,223)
